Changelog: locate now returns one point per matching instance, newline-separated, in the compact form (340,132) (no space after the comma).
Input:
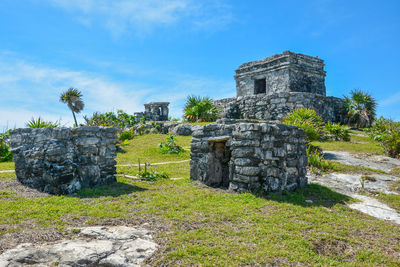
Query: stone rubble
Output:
(94,246)
(64,160)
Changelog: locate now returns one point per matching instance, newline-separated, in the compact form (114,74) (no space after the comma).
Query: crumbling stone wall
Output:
(249,156)
(277,106)
(64,160)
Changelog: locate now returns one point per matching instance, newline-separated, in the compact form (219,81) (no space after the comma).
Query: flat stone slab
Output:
(382,163)
(94,246)
(349,184)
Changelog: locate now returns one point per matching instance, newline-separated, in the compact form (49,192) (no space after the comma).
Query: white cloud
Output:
(142,16)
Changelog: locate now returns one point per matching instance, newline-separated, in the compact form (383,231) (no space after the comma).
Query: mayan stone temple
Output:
(248,149)
(270,88)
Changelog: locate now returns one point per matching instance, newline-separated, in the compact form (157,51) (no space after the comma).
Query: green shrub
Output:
(316,161)
(360,108)
(126,135)
(169,146)
(337,131)
(200,109)
(152,175)
(5,154)
(39,123)
(120,120)
(143,120)
(387,133)
(308,120)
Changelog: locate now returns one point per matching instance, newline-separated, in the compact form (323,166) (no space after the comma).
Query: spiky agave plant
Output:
(360,108)
(73,98)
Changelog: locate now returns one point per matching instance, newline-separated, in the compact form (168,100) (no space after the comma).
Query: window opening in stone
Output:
(260,86)
(219,164)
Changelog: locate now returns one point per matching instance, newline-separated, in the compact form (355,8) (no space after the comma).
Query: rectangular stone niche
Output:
(249,156)
(64,160)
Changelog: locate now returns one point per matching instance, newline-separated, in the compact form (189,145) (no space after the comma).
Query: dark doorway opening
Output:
(260,86)
(219,164)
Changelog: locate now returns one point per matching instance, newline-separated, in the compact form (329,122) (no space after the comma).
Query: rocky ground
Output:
(357,185)
(91,246)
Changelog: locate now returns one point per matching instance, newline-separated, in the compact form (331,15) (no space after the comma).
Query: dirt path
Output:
(4,171)
(157,163)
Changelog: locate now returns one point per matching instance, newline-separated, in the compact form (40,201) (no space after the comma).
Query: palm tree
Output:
(73,98)
(200,109)
(360,108)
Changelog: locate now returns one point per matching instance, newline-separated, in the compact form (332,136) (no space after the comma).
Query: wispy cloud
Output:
(119,16)
(393,99)
(31,90)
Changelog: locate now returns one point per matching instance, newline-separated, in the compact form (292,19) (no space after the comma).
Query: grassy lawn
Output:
(198,225)
(361,144)
(145,148)
(6,166)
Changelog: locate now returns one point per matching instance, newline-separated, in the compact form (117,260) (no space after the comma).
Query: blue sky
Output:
(124,53)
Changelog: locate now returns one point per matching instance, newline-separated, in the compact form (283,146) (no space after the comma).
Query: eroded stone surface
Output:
(247,156)
(94,246)
(350,185)
(64,160)
(382,163)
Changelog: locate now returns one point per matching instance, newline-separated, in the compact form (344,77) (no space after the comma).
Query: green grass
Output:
(367,145)
(6,165)
(146,149)
(7,176)
(198,225)
(339,167)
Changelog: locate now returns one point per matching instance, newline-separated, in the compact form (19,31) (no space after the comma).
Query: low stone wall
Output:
(164,128)
(248,156)
(64,160)
(277,106)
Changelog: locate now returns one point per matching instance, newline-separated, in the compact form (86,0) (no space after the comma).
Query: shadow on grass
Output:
(114,190)
(318,194)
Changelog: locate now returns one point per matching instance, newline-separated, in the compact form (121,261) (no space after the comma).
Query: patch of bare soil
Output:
(34,236)
(21,190)
(328,247)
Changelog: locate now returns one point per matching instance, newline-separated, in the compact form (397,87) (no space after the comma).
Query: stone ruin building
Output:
(249,156)
(64,160)
(154,111)
(270,88)
(248,149)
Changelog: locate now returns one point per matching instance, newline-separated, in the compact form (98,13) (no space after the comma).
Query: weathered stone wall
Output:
(64,160)
(286,72)
(248,156)
(277,106)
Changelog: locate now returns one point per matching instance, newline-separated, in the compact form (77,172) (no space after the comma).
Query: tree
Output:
(73,98)
(360,108)
(200,109)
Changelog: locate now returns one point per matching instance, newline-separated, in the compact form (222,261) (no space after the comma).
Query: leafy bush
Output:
(360,108)
(337,131)
(387,133)
(143,120)
(308,120)
(152,175)
(126,135)
(39,123)
(5,154)
(169,146)
(119,120)
(316,161)
(200,109)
